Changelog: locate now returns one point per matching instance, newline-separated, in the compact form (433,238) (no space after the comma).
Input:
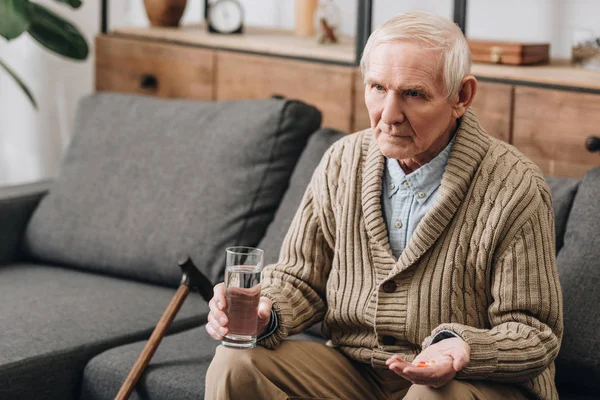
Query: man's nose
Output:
(393,112)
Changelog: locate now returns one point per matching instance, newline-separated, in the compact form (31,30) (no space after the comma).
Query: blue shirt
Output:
(407,198)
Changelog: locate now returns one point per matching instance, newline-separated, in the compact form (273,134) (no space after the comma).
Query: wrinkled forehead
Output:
(396,59)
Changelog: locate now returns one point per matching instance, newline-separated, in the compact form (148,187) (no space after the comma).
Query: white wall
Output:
(33,142)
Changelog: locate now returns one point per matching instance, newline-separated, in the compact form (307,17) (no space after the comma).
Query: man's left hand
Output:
(445,358)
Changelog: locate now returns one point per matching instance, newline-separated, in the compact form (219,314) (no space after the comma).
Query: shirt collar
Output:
(422,182)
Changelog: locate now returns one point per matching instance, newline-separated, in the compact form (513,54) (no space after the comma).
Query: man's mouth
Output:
(396,135)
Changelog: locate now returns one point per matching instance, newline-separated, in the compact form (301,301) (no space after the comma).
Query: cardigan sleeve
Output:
(525,314)
(296,284)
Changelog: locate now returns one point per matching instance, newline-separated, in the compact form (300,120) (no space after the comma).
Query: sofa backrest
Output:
(563,192)
(312,154)
(578,363)
(148,180)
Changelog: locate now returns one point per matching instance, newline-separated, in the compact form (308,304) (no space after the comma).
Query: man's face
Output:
(406,99)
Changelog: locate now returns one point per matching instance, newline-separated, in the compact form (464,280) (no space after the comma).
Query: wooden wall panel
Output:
(122,65)
(551,127)
(327,87)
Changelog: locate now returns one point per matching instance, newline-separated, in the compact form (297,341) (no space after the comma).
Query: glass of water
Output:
(242,293)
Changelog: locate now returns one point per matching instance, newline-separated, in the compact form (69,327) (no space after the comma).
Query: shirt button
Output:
(389,286)
(392,186)
(388,340)
(398,224)
(421,194)
(405,183)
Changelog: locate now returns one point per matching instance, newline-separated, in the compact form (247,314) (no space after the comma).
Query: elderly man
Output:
(424,245)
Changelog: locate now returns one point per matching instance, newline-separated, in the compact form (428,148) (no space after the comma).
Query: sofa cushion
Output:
(578,363)
(563,192)
(312,154)
(54,320)
(177,370)
(146,180)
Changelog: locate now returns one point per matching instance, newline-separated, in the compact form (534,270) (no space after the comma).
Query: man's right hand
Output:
(217,319)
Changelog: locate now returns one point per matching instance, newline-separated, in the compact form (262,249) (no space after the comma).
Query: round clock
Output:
(225,16)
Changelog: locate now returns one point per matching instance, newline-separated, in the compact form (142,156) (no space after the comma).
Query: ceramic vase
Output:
(164,12)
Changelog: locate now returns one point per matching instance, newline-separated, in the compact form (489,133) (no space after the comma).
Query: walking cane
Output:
(192,279)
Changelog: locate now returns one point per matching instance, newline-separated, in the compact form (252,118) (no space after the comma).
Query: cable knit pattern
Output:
(481,263)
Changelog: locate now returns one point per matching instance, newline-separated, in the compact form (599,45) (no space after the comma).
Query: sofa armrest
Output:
(17,204)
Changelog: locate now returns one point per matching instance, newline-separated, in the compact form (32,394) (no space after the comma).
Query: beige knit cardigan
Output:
(481,263)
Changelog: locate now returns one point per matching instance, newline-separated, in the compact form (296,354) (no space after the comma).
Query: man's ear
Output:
(466,94)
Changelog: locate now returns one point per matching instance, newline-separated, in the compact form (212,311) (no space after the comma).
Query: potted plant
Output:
(50,30)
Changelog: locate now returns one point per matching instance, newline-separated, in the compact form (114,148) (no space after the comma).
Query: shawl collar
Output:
(470,146)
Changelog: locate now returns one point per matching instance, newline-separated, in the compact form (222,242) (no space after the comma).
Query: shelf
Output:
(559,73)
(253,40)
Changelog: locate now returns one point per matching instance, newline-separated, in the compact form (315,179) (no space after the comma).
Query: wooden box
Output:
(509,52)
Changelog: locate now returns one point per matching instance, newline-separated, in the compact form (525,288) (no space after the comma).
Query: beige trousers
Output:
(310,370)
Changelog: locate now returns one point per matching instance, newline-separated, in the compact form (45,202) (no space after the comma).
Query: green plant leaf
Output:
(55,33)
(72,3)
(20,83)
(13,18)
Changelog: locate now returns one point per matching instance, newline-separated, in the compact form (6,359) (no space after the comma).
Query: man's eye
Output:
(413,93)
(378,87)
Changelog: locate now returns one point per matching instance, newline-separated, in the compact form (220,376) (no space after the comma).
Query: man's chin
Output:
(391,151)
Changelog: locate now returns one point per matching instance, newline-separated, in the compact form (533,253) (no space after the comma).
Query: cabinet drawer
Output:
(552,126)
(327,87)
(158,69)
(493,106)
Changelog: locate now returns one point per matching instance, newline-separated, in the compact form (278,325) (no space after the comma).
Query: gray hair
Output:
(438,32)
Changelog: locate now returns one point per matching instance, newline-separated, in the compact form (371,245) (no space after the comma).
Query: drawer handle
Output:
(148,81)
(593,144)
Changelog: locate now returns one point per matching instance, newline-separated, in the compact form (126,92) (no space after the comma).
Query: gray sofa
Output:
(88,262)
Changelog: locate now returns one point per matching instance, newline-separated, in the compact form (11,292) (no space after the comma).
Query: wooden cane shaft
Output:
(153,342)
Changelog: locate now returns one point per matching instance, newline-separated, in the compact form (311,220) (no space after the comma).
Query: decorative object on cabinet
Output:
(500,52)
(327,22)
(585,49)
(225,17)
(164,12)
(304,17)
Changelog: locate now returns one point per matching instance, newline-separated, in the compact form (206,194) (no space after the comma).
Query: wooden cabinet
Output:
(493,107)
(361,115)
(327,87)
(552,126)
(153,68)
(173,70)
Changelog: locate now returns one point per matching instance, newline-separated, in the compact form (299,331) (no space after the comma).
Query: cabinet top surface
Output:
(254,40)
(558,72)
